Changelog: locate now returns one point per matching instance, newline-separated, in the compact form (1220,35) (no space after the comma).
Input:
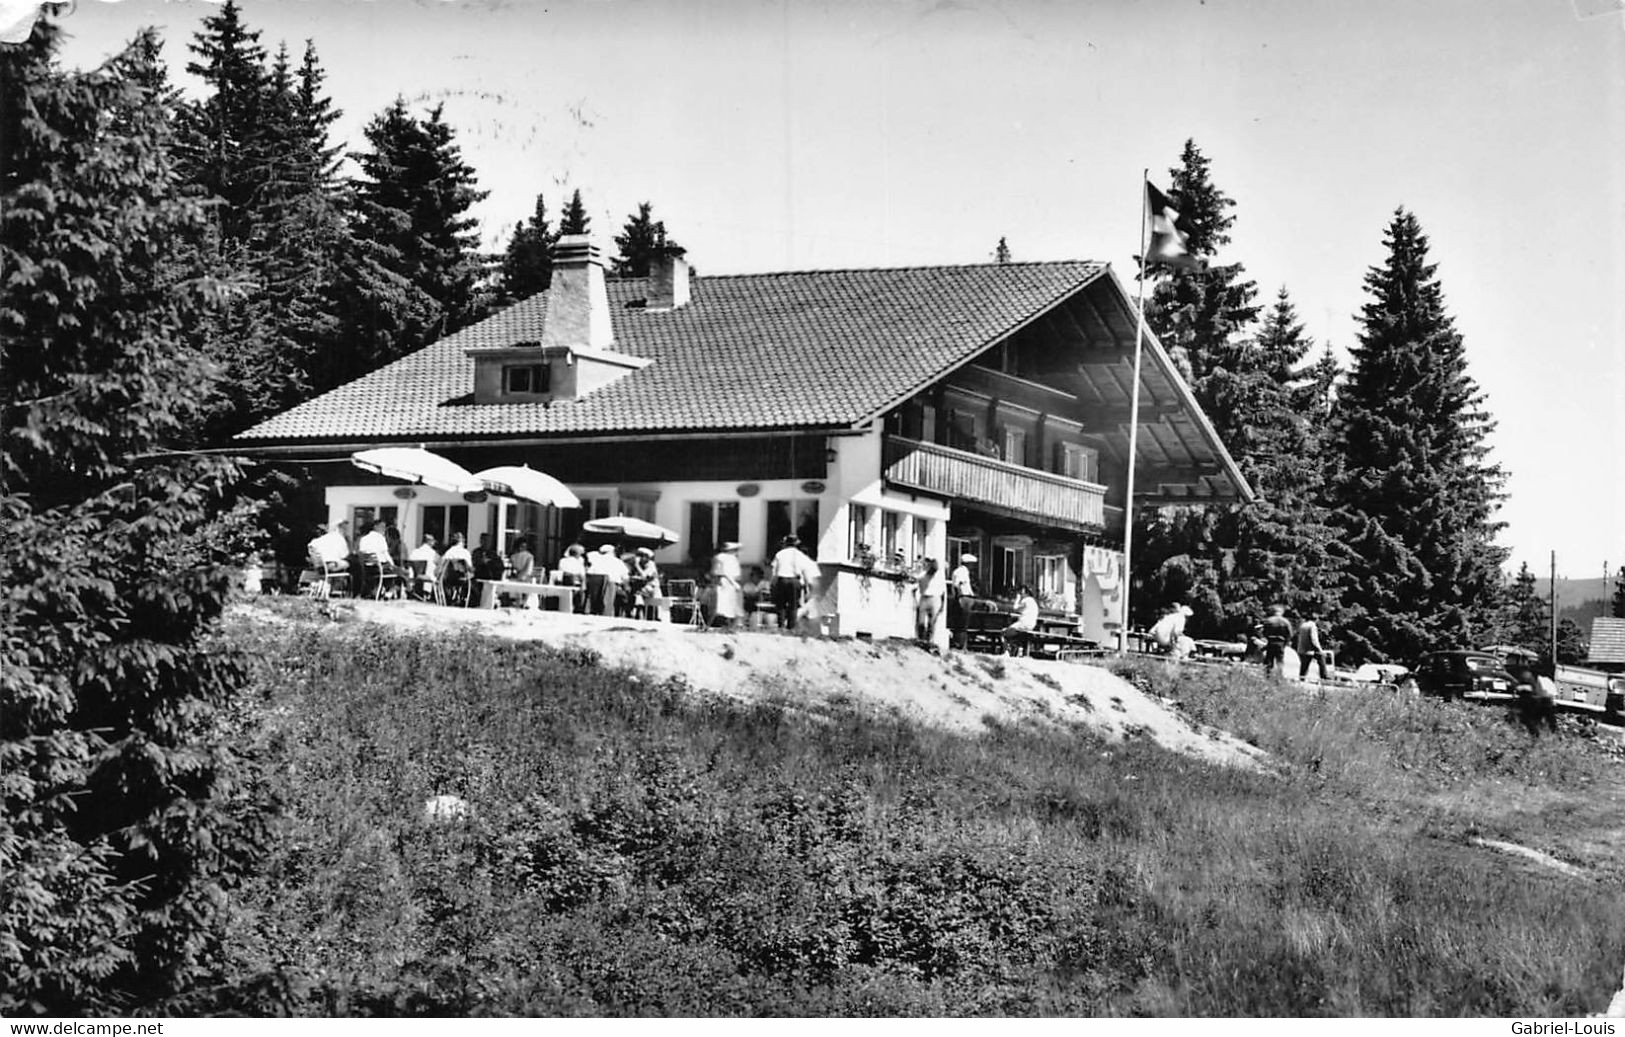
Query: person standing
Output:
(643,583)
(605,574)
(1276,631)
(960,590)
(794,574)
(1309,646)
(725,574)
(933,588)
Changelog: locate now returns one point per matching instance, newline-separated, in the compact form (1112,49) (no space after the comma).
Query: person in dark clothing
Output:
(1537,705)
(1276,630)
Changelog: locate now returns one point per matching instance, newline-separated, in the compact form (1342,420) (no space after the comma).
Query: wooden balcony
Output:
(1043,497)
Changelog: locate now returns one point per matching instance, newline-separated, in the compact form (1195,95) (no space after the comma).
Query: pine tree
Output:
(574,219)
(1416,489)
(411,205)
(1528,618)
(221,135)
(118,837)
(1001,252)
(1618,606)
(642,240)
(527,266)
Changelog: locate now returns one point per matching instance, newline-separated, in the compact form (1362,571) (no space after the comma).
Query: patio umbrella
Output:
(527,483)
(623,527)
(417,465)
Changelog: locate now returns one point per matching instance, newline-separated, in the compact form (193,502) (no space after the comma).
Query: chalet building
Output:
(917,412)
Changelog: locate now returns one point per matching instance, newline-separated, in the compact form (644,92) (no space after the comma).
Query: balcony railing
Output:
(961,475)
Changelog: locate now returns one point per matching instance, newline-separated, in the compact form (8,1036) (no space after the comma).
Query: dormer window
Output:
(526,379)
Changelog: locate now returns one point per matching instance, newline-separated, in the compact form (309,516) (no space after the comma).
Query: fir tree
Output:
(410,207)
(1528,618)
(574,219)
(642,240)
(1618,605)
(1001,252)
(1416,490)
(527,266)
(221,136)
(118,840)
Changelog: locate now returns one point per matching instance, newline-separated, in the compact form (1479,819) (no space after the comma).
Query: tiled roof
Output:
(753,351)
(1607,640)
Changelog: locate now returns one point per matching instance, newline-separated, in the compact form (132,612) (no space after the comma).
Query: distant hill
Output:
(1574,593)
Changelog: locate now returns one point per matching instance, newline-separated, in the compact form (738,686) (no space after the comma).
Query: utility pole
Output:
(1554,609)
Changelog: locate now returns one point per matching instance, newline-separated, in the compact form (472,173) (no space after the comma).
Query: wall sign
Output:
(747,489)
(405,492)
(812,487)
(476,496)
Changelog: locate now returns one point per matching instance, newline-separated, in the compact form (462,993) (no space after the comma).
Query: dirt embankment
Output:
(955,692)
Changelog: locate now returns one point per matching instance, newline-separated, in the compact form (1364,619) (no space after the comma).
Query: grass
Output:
(634,849)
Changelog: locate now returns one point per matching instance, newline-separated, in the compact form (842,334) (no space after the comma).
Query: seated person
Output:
(330,549)
(488,564)
(457,566)
(1169,632)
(523,566)
(573,573)
(754,588)
(424,574)
(374,551)
(1018,632)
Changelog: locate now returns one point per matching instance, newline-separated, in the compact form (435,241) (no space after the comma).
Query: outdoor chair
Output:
(320,581)
(456,583)
(425,582)
(685,603)
(375,578)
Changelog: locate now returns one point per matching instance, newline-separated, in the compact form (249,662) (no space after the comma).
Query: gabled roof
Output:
(1607,640)
(816,349)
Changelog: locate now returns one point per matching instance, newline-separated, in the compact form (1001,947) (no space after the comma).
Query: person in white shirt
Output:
(374,551)
(725,572)
(794,575)
(1025,623)
(1169,632)
(573,573)
(425,553)
(605,574)
(457,567)
(331,549)
(959,586)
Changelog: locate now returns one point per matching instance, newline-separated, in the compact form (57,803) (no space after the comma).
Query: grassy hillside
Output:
(636,849)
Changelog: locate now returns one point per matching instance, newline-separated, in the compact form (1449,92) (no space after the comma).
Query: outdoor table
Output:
(564,595)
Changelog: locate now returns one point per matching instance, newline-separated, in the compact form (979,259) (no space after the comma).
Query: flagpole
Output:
(1134,422)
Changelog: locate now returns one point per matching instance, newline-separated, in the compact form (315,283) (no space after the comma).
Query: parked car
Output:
(1464,673)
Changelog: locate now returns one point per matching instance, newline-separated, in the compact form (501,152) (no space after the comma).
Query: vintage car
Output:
(1466,674)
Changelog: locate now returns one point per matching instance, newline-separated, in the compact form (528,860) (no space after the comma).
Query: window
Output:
(1015,445)
(709,524)
(525,379)
(857,529)
(363,516)
(922,537)
(957,548)
(891,524)
(1076,461)
(792,516)
(1051,574)
(1009,568)
(443,520)
(572,519)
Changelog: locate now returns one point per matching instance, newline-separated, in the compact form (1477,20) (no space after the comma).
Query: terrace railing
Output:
(959,474)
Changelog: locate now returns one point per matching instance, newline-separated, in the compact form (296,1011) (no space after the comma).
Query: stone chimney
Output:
(576,355)
(668,282)
(577,305)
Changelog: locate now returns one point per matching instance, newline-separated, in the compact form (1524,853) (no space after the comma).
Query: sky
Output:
(821,135)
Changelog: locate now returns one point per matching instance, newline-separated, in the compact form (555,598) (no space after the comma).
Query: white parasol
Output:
(623,527)
(527,483)
(417,465)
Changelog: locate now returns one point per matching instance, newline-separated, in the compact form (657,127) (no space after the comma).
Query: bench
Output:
(565,596)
